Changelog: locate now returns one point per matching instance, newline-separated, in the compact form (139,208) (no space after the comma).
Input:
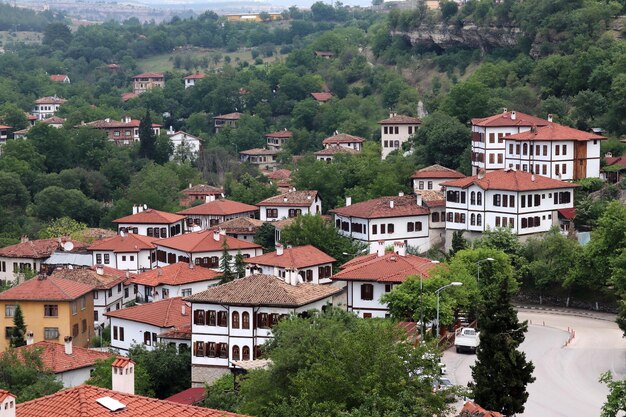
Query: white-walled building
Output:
(395,131)
(177,280)
(264,159)
(200,193)
(231,321)
(276,140)
(328,153)
(126,252)
(152,223)
(431,177)
(345,141)
(305,263)
(226,120)
(389,219)
(204,248)
(147,81)
(368,277)
(143,323)
(291,204)
(184,144)
(190,80)
(243,228)
(213,213)
(122,132)
(527,204)
(46,107)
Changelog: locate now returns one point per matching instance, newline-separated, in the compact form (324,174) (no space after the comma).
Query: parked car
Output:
(466,338)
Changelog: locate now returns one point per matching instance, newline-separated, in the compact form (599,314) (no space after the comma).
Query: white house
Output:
(290,204)
(243,228)
(60,78)
(276,140)
(261,158)
(431,177)
(4,133)
(368,277)
(126,252)
(488,133)
(184,144)
(46,107)
(231,321)
(395,131)
(328,154)
(190,80)
(212,213)
(306,263)
(204,248)
(176,280)
(152,223)
(345,141)
(200,193)
(143,323)
(526,203)
(401,218)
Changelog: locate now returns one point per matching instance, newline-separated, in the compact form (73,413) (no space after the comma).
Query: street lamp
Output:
(452,284)
(354,254)
(480,262)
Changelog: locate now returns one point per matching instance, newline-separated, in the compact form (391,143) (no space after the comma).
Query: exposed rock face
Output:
(468,35)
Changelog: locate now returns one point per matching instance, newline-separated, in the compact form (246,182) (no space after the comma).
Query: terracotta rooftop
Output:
(220,207)
(390,267)
(342,138)
(568,213)
(150,75)
(90,277)
(296,257)
(471,409)
(279,174)
(181,333)
(190,396)
(437,171)
(240,225)
(151,216)
(197,76)
(510,180)
(259,151)
(203,189)
(335,149)
(204,241)
(175,274)
(121,361)
(229,116)
(128,96)
(81,401)
(130,242)
(50,100)
(555,131)
(37,249)
(55,359)
(43,288)
(432,198)
(264,290)
(281,224)
(115,124)
(398,119)
(164,313)
(291,199)
(506,119)
(6,127)
(322,97)
(54,120)
(377,208)
(279,134)
(58,77)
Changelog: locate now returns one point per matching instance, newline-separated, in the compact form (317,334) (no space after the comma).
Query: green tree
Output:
(468,99)
(67,203)
(147,138)
(266,237)
(448,9)
(25,375)
(226,263)
(240,265)
(156,186)
(173,373)
(441,140)
(102,377)
(57,32)
(19,329)
(65,226)
(616,400)
(458,242)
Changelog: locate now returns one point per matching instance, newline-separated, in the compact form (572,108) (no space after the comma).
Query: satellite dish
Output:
(68,246)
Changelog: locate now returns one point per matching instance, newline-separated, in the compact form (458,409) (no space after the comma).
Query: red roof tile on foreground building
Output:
(240,225)
(291,199)
(437,171)
(165,313)
(390,267)
(46,289)
(342,138)
(189,396)
(55,359)
(128,243)
(204,241)
(297,257)
(396,206)
(81,401)
(510,118)
(279,174)
(471,409)
(229,116)
(221,207)
(322,97)
(557,132)
(398,119)
(175,274)
(100,279)
(150,216)
(280,134)
(36,249)
(511,180)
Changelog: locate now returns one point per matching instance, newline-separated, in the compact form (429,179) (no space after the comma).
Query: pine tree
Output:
(225,265)
(147,138)
(501,372)
(458,242)
(240,265)
(19,329)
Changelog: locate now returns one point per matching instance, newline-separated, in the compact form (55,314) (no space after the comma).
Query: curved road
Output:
(566,377)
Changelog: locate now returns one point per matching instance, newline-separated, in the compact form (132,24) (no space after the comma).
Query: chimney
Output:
(99,270)
(191,265)
(291,276)
(209,198)
(183,309)
(24,239)
(134,208)
(504,110)
(279,250)
(216,235)
(126,119)
(400,194)
(348,201)
(380,251)
(170,131)
(68,345)
(141,207)
(481,174)
(418,199)
(222,231)
(532,178)
(190,185)
(391,204)
(513,115)
(30,338)
(284,199)
(550,118)
(123,375)
(399,248)
(7,404)
(107,120)
(608,155)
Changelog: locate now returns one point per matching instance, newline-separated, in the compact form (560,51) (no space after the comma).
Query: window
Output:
(186,292)
(386,130)
(75,330)
(309,275)
(564,168)
(222,319)
(420,185)
(497,221)
(245,353)
(462,197)
(387,287)
(390,228)
(211,318)
(271,213)
(245,320)
(262,321)
(235,353)
(146,339)
(511,201)
(410,227)
(510,148)
(235,320)
(435,217)
(545,150)
(557,149)
(51,310)
(472,219)
(9,310)
(479,220)
(211,349)
(492,138)
(83,326)
(198,317)
(8,332)
(367,315)
(223,350)
(383,229)
(505,200)
(198,349)
(564,150)
(479,198)
(525,149)
(492,158)
(497,198)
(367,292)
(98,259)
(537,200)
(107,259)
(126,293)
(396,129)
(517,147)
(50,333)
(374,229)
(410,130)
(123,258)
(473,198)
(500,158)
(294,212)
(95,315)
(430,185)
(83,302)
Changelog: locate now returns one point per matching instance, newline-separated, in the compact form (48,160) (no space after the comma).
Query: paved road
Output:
(567,377)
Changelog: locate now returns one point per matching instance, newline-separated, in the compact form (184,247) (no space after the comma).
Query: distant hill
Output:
(20,19)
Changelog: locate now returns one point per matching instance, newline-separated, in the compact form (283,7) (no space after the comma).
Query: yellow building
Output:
(53,308)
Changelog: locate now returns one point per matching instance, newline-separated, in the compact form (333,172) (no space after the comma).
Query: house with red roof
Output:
(328,154)
(204,248)
(126,252)
(261,158)
(4,133)
(370,276)
(526,203)
(122,132)
(226,120)
(46,107)
(180,279)
(53,308)
(204,193)
(213,213)
(147,81)
(60,78)
(614,167)
(431,177)
(143,323)
(396,130)
(276,140)
(243,228)
(290,204)
(231,321)
(294,264)
(186,147)
(345,141)
(403,218)
(151,223)
(191,80)
(322,97)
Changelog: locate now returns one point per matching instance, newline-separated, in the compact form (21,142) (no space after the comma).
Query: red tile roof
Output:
(203,189)
(555,131)
(335,149)
(324,53)
(471,409)
(54,120)
(91,277)
(504,119)
(437,171)
(240,225)
(37,249)
(6,127)
(568,213)
(297,257)
(164,313)
(302,198)
(259,151)
(397,119)
(180,333)
(4,394)
(55,359)
(58,77)
(175,274)
(279,134)
(342,138)
(510,180)
(229,116)
(279,174)
(121,361)
(190,396)
(128,96)
(81,402)
(150,75)
(387,268)
(43,288)
(197,76)
(151,216)
(264,290)
(220,207)
(204,241)
(377,208)
(50,100)
(322,96)
(130,242)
